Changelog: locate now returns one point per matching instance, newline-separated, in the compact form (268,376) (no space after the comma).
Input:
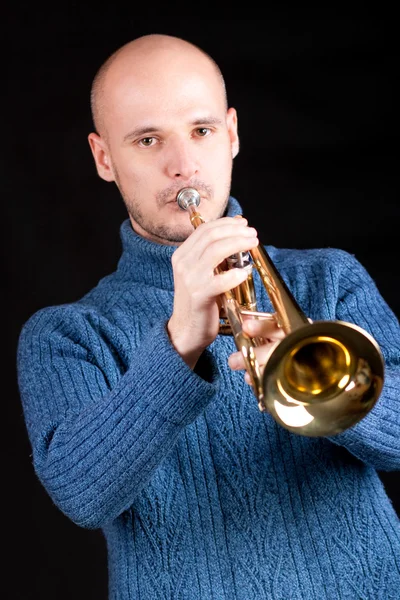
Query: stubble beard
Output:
(165,233)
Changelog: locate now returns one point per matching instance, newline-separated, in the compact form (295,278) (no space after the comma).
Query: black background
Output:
(317,167)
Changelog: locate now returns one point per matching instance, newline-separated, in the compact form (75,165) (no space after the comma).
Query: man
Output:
(140,420)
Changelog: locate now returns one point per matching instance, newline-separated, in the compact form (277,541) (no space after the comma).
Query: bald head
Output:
(162,122)
(149,54)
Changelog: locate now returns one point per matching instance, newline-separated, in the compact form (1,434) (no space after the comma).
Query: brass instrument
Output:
(319,380)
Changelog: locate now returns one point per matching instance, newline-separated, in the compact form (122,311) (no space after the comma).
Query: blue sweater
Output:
(198,493)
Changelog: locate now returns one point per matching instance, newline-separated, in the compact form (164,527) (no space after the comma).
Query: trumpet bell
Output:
(322,378)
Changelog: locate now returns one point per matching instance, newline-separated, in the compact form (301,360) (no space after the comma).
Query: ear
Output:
(101,157)
(232,123)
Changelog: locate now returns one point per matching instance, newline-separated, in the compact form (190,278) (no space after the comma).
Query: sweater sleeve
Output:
(97,441)
(376,438)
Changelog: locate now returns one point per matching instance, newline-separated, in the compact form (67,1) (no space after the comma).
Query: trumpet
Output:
(323,377)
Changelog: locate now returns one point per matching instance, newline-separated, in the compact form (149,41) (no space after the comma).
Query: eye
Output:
(147,142)
(203,131)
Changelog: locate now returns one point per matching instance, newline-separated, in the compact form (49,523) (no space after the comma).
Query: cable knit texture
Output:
(198,493)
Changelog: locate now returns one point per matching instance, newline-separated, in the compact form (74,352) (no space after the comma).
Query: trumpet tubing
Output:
(324,376)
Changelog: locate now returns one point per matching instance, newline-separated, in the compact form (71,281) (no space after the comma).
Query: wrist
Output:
(183,344)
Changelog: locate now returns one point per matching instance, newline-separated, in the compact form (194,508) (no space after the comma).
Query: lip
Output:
(174,200)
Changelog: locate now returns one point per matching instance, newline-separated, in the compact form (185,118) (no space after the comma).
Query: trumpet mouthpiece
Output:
(188,197)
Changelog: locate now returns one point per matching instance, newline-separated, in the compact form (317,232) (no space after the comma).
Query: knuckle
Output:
(197,296)
(214,235)
(175,258)
(178,268)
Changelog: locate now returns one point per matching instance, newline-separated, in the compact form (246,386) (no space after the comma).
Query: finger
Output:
(265,328)
(205,289)
(247,379)
(214,229)
(225,281)
(215,255)
(237,363)
(211,258)
(209,233)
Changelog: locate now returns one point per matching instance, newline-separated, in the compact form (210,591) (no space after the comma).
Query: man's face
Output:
(165,131)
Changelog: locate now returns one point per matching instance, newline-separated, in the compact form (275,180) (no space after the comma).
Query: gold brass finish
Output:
(323,377)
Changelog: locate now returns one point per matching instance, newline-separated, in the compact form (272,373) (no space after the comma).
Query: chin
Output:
(171,235)
(179,236)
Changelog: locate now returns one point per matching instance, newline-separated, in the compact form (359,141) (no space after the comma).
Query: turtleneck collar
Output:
(148,262)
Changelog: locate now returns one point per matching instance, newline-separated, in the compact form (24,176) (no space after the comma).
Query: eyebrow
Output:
(147,129)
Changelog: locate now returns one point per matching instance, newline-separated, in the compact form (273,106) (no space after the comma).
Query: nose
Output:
(181,159)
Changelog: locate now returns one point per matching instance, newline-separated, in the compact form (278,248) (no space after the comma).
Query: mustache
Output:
(170,193)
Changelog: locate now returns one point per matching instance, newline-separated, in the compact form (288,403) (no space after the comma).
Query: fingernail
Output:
(241,273)
(233,362)
(251,232)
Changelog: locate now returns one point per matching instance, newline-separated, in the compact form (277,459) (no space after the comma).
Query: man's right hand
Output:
(194,323)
